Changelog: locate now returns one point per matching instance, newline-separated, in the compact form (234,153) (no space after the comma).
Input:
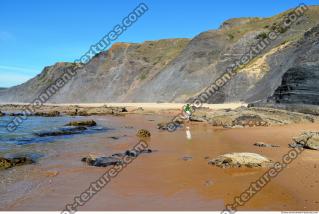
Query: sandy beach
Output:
(164,179)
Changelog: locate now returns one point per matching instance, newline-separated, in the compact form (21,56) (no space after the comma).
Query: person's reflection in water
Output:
(188,133)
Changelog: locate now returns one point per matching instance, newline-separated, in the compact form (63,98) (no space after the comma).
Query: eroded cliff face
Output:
(299,85)
(177,70)
(300,82)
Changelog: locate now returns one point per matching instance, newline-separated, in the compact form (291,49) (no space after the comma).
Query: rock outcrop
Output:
(307,140)
(243,159)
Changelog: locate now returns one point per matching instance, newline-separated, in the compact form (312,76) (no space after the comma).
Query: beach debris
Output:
(307,140)
(143,133)
(244,159)
(62,131)
(87,123)
(262,144)
(6,163)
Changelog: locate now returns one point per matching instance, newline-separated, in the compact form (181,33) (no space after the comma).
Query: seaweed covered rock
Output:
(143,133)
(6,163)
(88,123)
(243,159)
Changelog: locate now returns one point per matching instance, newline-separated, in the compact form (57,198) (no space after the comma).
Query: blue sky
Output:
(37,33)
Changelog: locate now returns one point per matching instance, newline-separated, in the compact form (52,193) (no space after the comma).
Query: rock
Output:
(187,158)
(299,85)
(307,140)
(261,144)
(162,126)
(243,159)
(2,114)
(6,163)
(62,131)
(114,159)
(168,126)
(124,109)
(89,159)
(249,120)
(197,119)
(82,113)
(143,133)
(101,161)
(16,114)
(209,182)
(128,127)
(88,123)
(134,153)
(47,114)
(106,161)
(237,127)
(114,138)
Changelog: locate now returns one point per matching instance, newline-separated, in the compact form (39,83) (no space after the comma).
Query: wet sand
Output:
(163,180)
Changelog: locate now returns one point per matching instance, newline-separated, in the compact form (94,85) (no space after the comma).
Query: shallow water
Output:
(25,133)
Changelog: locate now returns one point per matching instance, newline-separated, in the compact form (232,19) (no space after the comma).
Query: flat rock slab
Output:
(63,131)
(244,159)
(307,140)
